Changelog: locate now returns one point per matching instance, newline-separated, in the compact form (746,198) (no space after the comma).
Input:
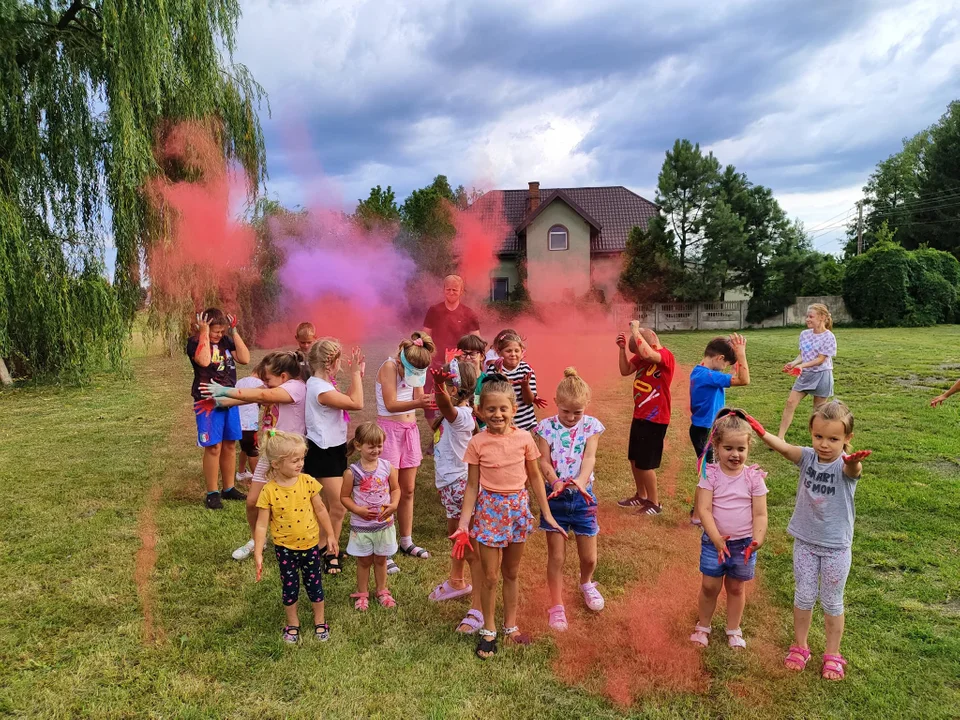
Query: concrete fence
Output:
(722,315)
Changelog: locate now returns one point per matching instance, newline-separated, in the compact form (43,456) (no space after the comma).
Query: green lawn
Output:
(92,473)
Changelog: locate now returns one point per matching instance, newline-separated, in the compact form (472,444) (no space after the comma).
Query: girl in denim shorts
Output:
(732,504)
(501,462)
(568,452)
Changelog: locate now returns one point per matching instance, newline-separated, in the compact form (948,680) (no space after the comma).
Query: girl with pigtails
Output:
(813,367)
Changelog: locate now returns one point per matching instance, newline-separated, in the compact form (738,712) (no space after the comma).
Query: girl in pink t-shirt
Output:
(284,398)
(732,504)
(501,462)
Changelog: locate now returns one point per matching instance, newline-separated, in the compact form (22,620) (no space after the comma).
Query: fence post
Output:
(696,314)
(656,317)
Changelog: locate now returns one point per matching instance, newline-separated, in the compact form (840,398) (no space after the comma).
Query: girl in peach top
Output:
(501,462)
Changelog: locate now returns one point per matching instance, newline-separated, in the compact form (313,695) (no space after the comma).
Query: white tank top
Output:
(404,394)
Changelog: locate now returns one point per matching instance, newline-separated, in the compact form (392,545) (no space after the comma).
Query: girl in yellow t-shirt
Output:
(290,503)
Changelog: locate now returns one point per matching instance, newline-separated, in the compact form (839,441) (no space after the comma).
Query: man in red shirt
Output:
(446,323)
(654,366)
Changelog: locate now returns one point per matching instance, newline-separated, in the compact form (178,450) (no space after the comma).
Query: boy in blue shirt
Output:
(708,383)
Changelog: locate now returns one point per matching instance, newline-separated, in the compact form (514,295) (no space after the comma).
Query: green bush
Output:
(889,285)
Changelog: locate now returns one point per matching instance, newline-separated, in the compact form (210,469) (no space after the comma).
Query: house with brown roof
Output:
(570,239)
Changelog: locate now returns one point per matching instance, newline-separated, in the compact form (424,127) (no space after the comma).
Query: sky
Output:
(805,97)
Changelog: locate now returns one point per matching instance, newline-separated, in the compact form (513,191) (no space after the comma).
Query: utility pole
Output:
(860,227)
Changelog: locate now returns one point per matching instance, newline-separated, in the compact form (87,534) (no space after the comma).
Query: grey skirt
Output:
(818,383)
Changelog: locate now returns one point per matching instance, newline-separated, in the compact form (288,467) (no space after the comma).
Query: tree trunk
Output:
(5,378)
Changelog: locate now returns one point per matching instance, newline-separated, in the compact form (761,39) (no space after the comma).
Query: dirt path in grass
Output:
(639,644)
(146,560)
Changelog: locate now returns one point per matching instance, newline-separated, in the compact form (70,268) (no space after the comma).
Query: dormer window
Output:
(558,238)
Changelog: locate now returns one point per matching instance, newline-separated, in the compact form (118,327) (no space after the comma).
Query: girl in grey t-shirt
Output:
(822,528)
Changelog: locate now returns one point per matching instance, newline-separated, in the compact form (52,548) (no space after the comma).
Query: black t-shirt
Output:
(448,326)
(222,368)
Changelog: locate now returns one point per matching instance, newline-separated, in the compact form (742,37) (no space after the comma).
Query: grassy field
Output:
(118,597)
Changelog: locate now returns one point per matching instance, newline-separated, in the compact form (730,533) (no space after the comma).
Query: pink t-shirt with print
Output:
(733,498)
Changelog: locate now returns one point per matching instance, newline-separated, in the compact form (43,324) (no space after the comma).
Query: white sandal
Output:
(735,639)
(701,635)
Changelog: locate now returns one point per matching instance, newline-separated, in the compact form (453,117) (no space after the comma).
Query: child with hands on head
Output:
(502,462)
(732,505)
(399,395)
(290,504)
(328,415)
(568,453)
(371,492)
(283,397)
(652,366)
(822,528)
(454,398)
(813,367)
(214,352)
(511,351)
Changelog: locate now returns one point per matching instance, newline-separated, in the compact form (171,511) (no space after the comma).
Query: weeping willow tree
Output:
(85,90)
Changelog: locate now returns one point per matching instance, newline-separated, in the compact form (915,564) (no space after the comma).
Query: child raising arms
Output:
(290,504)
(454,397)
(502,461)
(568,452)
(822,528)
(371,493)
(732,504)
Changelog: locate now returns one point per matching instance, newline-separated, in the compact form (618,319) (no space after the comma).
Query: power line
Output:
(846,214)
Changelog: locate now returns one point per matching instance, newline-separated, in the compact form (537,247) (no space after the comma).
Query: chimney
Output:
(533,197)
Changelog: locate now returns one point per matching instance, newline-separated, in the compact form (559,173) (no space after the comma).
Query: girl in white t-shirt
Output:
(249,425)
(327,421)
(283,399)
(454,387)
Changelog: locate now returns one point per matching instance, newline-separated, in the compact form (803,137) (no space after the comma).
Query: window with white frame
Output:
(558,238)
(499,288)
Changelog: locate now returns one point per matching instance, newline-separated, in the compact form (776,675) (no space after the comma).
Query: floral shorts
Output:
(451,497)
(500,520)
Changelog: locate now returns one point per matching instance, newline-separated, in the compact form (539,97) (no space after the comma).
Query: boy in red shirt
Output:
(654,366)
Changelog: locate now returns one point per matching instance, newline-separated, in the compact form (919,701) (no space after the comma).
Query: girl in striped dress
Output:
(511,350)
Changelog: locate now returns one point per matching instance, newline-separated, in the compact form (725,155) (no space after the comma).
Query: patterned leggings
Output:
(292,564)
(828,568)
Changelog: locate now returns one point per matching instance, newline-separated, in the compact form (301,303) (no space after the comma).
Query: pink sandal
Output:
(735,639)
(834,664)
(558,618)
(362,601)
(446,591)
(796,658)
(386,599)
(700,636)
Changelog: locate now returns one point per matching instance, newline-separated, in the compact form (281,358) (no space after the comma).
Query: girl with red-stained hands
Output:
(822,528)
(568,453)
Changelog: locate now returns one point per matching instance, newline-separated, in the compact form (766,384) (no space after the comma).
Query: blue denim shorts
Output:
(572,513)
(735,566)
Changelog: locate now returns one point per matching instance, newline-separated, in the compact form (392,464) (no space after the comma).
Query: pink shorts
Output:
(402,446)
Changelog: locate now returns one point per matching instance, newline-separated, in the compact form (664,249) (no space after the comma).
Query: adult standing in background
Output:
(446,323)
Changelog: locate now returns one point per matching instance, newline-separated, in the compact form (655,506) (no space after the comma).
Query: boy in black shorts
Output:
(653,366)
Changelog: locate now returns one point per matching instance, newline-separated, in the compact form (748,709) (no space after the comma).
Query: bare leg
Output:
(818,401)
(833,630)
(639,482)
(456,579)
(380,571)
(407,478)
(707,600)
(509,568)
(243,461)
(291,612)
(587,550)
(649,479)
(788,410)
(802,620)
(318,613)
(228,454)
(490,564)
(363,573)
(211,466)
(252,462)
(736,600)
(556,555)
(331,498)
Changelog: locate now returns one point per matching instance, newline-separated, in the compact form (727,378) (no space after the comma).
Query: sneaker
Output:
(557,618)
(243,552)
(234,494)
(592,596)
(213,501)
(244,476)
